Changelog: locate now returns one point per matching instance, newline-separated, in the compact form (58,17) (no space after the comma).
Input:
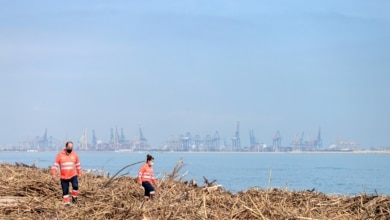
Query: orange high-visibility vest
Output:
(146,174)
(69,165)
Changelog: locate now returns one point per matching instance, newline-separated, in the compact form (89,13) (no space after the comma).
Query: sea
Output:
(345,174)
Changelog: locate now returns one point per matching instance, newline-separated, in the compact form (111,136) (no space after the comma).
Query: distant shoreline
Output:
(229,152)
(289,152)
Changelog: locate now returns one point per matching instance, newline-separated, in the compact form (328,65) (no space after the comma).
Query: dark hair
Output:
(149,157)
(69,142)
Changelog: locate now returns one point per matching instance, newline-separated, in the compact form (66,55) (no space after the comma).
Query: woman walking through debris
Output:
(146,177)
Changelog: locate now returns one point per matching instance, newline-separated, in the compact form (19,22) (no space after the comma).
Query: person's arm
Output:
(55,167)
(140,173)
(78,166)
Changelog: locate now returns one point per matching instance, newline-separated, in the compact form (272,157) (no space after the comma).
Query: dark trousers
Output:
(65,185)
(148,188)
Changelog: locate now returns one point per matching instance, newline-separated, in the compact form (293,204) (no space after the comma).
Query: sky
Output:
(172,67)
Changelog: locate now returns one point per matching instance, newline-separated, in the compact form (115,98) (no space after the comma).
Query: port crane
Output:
(277,141)
(236,145)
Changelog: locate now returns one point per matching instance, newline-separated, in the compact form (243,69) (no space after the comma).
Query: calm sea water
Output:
(330,173)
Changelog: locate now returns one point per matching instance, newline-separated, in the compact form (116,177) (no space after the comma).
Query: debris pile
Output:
(28,192)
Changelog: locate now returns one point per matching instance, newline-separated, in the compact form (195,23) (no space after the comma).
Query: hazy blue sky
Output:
(196,66)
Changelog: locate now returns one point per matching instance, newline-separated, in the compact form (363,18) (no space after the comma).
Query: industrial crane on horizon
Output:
(277,141)
(236,144)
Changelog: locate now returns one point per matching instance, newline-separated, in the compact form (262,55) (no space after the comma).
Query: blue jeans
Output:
(65,185)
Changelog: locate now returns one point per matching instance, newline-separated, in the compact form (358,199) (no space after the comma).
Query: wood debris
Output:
(28,192)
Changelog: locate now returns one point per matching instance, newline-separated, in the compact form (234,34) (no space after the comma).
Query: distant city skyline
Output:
(174,67)
(245,138)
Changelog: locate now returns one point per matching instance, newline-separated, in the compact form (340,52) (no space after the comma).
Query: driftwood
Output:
(25,165)
(175,174)
(208,183)
(117,173)
(27,193)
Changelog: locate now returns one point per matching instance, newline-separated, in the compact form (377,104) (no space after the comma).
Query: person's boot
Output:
(74,196)
(66,200)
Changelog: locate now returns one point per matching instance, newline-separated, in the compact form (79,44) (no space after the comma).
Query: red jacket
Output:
(146,174)
(68,163)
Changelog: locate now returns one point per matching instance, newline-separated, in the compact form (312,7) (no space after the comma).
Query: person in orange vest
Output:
(70,172)
(146,177)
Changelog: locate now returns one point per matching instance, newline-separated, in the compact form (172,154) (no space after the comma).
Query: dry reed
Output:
(27,192)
